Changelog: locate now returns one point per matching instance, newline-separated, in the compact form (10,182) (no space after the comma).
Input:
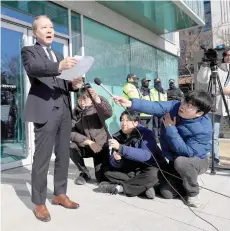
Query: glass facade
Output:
(112,58)
(208,16)
(13,140)
(116,55)
(76,33)
(158,16)
(28,10)
(197,6)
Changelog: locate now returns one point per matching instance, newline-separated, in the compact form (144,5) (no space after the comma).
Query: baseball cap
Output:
(145,80)
(157,79)
(131,76)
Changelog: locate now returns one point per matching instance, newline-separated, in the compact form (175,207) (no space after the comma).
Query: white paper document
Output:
(81,68)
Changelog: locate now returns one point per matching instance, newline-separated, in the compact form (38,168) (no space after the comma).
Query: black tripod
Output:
(212,90)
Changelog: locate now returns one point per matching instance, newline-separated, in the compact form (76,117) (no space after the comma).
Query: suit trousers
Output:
(54,133)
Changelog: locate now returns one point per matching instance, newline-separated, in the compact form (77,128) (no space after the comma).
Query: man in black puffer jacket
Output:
(88,136)
(173,92)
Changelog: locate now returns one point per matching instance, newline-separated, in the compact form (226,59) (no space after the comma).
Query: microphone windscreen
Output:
(97,81)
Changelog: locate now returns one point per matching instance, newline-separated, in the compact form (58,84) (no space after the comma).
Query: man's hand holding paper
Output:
(75,67)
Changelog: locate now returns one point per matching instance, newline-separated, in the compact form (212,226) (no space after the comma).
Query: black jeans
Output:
(100,159)
(136,182)
(188,170)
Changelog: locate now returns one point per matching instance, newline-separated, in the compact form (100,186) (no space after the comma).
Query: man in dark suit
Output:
(48,106)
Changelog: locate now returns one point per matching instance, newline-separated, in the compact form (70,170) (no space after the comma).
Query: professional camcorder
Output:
(211,55)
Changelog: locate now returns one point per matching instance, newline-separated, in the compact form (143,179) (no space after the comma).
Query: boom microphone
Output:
(99,83)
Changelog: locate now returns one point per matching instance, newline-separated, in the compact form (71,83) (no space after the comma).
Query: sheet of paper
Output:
(81,68)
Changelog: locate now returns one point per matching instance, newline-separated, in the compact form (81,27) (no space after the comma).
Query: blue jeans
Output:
(217,119)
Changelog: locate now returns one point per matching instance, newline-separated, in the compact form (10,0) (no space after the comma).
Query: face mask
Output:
(145,84)
(158,86)
(171,85)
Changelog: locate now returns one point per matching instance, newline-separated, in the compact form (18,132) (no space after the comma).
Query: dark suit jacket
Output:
(43,93)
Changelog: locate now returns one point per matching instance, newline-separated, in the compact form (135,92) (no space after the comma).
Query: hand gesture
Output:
(122,101)
(116,156)
(77,83)
(67,63)
(168,121)
(95,147)
(114,144)
(94,95)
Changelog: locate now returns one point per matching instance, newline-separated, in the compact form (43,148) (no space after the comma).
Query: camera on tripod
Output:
(210,56)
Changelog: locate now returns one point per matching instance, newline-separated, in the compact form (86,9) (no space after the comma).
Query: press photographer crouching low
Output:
(133,170)
(203,76)
(88,136)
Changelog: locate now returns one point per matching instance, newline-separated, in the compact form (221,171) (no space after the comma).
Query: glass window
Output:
(159,17)
(111,52)
(13,136)
(167,67)
(76,33)
(143,60)
(28,10)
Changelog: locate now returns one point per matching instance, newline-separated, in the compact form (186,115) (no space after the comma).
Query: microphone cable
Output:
(162,171)
(168,180)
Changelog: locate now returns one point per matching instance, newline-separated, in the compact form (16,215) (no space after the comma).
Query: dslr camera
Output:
(86,86)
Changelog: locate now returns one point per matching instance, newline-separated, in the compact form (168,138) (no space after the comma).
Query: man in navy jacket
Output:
(133,169)
(185,139)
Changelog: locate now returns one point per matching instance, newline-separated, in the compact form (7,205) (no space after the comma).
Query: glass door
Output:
(14,145)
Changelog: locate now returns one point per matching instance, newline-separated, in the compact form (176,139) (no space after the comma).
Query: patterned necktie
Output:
(50,54)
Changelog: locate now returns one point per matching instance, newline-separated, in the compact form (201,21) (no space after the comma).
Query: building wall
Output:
(220,11)
(113,20)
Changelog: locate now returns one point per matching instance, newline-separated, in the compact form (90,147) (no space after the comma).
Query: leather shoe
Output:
(41,213)
(64,201)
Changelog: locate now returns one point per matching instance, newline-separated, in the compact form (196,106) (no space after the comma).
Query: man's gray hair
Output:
(34,24)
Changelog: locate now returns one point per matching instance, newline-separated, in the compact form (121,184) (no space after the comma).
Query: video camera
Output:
(211,55)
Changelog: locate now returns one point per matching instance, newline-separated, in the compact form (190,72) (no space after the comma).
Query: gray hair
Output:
(34,24)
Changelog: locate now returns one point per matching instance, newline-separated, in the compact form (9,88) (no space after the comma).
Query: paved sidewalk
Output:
(225,150)
(103,212)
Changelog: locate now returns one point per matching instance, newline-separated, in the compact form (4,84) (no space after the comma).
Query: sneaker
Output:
(82,178)
(106,187)
(194,201)
(216,161)
(150,193)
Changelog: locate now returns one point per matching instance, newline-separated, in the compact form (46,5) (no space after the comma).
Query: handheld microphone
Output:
(99,83)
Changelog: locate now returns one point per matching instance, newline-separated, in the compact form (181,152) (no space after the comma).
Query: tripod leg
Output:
(224,99)
(212,92)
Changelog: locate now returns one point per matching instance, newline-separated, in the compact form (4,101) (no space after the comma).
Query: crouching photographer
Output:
(204,75)
(88,136)
(133,170)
